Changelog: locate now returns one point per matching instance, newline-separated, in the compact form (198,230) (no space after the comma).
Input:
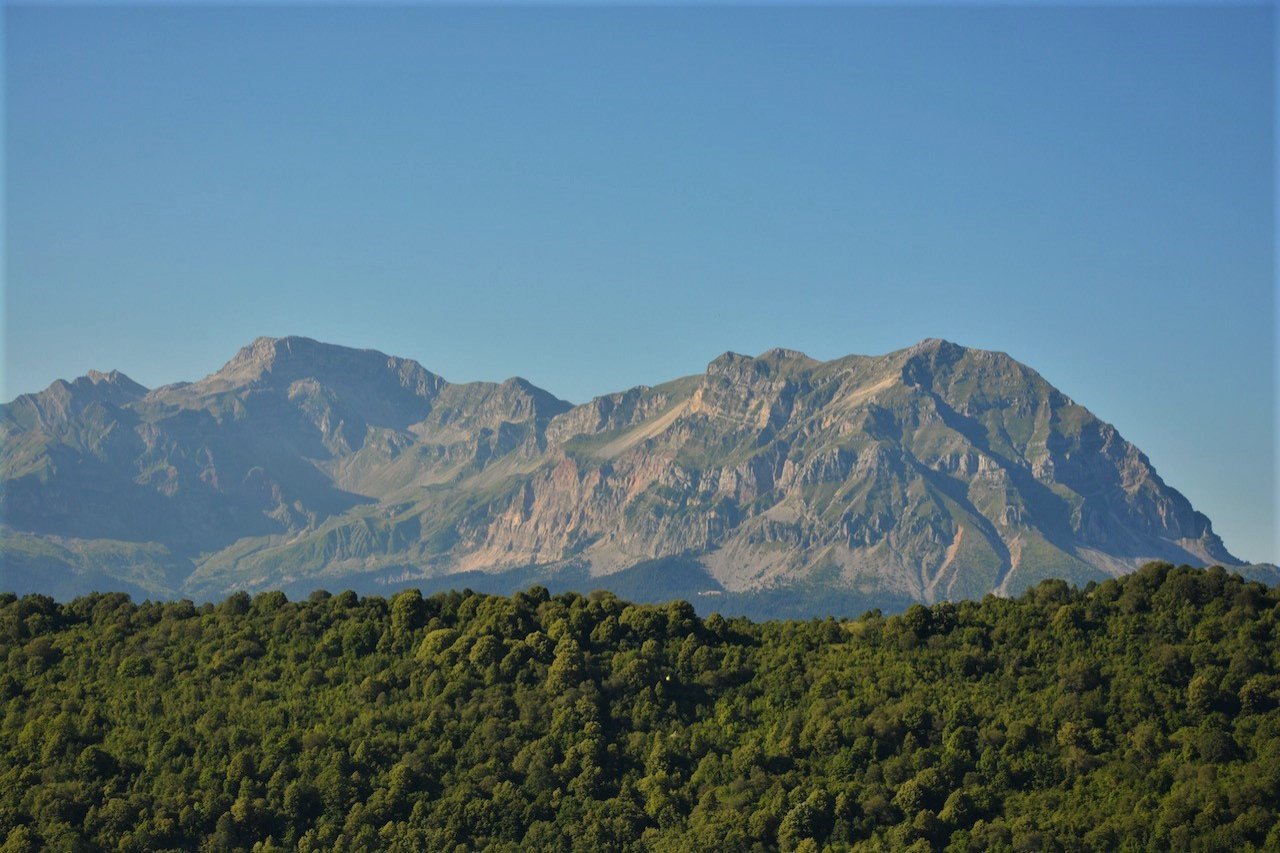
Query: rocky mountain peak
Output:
(541,403)
(267,354)
(726,361)
(768,366)
(933,345)
(261,350)
(110,387)
(936,351)
(110,377)
(779,354)
(935,471)
(281,361)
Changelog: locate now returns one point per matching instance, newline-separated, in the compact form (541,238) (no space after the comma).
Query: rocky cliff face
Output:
(932,472)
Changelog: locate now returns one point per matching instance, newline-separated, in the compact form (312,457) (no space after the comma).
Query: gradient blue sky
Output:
(596,198)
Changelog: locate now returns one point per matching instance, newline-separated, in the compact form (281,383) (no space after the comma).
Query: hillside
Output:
(935,472)
(1137,714)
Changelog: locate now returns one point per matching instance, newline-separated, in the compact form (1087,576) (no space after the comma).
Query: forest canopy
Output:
(1136,713)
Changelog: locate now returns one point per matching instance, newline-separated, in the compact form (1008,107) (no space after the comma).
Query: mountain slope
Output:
(931,472)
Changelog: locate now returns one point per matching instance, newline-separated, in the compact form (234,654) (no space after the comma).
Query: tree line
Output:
(1138,713)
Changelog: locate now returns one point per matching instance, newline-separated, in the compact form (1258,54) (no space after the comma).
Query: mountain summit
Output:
(932,472)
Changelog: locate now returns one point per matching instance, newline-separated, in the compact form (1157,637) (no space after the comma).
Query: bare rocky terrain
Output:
(934,472)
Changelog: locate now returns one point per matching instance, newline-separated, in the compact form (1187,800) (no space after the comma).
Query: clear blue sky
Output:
(597,198)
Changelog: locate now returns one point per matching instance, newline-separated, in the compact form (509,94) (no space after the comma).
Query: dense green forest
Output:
(1140,713)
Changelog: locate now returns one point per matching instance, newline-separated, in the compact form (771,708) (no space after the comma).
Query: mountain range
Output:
(769,485)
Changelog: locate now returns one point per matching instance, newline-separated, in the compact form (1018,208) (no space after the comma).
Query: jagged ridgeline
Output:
(1137,715)
(773,485)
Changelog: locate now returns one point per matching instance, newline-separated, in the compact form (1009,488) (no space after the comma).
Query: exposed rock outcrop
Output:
(933,472)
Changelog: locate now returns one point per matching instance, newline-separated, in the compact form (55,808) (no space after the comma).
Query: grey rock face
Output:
(932,472)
